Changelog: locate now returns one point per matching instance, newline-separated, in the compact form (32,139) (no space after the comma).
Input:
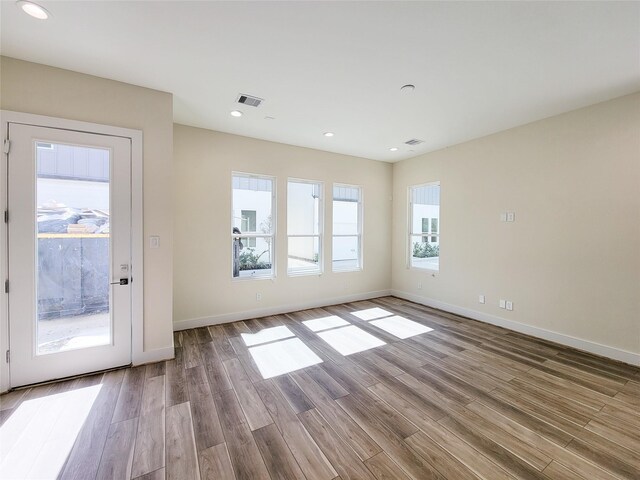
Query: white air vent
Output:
(414,141)
(249,100)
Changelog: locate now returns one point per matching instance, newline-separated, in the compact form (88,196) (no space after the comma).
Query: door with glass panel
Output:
(69,201)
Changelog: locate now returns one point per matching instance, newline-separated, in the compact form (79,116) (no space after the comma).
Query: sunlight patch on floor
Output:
(37,438)
(267,335)
(282,357)
(371,313)
(400,327)
(324,323)
(348,340)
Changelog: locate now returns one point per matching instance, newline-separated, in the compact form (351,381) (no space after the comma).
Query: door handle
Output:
(122,281)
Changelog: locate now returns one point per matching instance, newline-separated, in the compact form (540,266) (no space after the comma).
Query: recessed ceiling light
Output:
(394,149)
(407,88)
(236,113)
(30,8)
(328,134)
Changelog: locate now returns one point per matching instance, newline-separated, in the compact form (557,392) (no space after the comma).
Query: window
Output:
(304,227)
(249,225)
(424,234)
(253,226)
(347,228)
(429,225)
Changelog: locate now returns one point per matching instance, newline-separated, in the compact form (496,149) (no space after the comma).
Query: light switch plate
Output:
(511,217)
(154,241)
(503,303)
(503,217)
(509,305)
(481,299)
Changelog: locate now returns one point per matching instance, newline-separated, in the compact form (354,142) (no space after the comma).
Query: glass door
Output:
(69,253)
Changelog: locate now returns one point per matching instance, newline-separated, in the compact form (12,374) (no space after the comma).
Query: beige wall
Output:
(32,88)
(571,261)
(203,287)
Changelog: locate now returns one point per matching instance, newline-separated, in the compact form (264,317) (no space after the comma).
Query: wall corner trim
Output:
(275,310)
(560,338)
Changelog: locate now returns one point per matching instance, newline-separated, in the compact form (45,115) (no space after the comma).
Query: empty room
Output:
(320,240)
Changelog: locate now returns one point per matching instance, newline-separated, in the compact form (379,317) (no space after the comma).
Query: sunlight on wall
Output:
(37,438)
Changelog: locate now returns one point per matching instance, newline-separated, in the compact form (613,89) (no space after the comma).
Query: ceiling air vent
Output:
(249,100)
(414,141)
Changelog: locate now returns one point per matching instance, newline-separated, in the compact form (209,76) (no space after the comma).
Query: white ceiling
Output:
(478,67)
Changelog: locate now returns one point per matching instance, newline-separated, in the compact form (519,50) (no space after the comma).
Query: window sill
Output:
(424,269)
(307,273)
(249,278)
(347,270)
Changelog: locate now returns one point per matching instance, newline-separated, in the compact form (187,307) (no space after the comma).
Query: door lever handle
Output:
(122,281)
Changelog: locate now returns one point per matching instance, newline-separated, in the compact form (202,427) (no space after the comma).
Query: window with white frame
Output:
(304,227)
(253,226)
(424,226)
(430,226)
(249,225)
(347,228)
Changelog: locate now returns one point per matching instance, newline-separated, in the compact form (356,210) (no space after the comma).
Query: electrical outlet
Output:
(154,241)
(481,299)
(503,303)
(509,305)
(258,297)
(503,217)
(420,286)
(511,217)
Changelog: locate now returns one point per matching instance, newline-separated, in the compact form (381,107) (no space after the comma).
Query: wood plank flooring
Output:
(465,400)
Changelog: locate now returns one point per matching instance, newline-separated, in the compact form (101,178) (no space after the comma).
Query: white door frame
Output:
(137,230)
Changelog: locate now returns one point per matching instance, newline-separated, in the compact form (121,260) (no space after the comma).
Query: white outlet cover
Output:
(481,299)
(503,304)
(511,217)
(154,241)
(503,217)
(509,305)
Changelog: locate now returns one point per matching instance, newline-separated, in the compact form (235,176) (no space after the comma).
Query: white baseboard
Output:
(276,310)
(152,356)
(578,343)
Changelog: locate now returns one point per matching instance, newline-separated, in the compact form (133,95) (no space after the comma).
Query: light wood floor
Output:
(463,401)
